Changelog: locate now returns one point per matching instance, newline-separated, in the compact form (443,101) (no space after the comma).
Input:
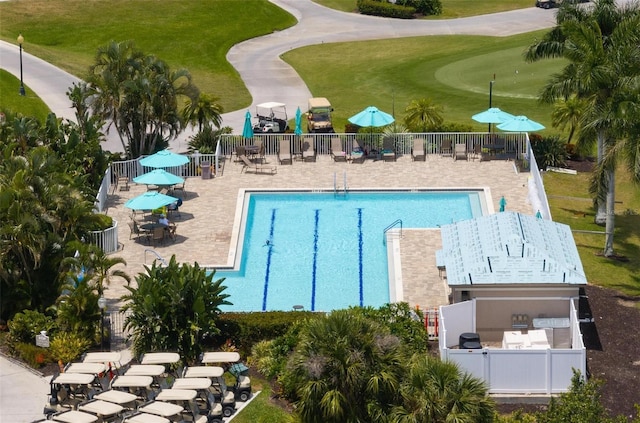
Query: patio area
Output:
(204,226)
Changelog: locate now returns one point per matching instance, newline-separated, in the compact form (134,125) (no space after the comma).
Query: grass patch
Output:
(450,8)
(185,33)
(12,101)
(571,204)
(454,71)
(262,408)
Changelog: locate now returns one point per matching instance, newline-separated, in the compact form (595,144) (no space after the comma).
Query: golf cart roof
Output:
(319,102)
(88,368)
(176,395)
(160,358)
(145,370)
(132,382)
(203,371)
(159,408)
(101,408)
(270,105)
(74,416)
(146,418)
(116,397)
(220,357)
(102,357)
(73,378)
(191,383)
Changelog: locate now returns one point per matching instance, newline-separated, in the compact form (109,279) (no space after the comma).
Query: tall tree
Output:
(569,113)
(205,111)
(596,43)
(423,115)
(174,308)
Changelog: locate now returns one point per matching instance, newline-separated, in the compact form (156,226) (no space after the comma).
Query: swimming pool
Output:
(324,251)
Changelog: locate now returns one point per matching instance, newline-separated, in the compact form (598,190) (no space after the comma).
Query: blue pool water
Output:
(326,252)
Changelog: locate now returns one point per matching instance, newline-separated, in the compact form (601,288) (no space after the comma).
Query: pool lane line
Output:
(314,268)
(269,253)
(360,267)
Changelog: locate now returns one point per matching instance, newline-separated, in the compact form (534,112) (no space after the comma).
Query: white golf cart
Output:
(156,371)
(205,400)
(185,399)
(218,385)
(67,390)
(230,361)
(111,360)
(272,118)
(105,411)
(140,386)
(140,417)
(73,416)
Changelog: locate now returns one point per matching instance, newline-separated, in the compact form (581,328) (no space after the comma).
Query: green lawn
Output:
(11,100)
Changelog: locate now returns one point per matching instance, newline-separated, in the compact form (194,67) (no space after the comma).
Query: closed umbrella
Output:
(520,124)
(150,200)
(158,177)
(247,130)
(298,130)
(372,117)
(164,158)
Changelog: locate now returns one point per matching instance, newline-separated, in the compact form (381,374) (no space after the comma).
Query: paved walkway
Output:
(273,79)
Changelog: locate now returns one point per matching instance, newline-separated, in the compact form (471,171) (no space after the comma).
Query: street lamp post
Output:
(20,41)
(490,96)
(102,304)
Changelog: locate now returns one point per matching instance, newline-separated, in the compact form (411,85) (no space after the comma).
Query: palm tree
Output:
(423,115)
(568,112)
(347,368)
(206,111)
(435,391)
(596,42)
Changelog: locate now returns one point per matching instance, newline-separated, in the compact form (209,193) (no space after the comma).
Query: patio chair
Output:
(388,149)
(180,187)
(460,152)
(417,152)
(240,151)
(157,235)
(308,152)
(337,153)
(122,183)
(256,167)
(284,152)
(171,231)
(446,149)
(476,153)
(135,230)
(357,152)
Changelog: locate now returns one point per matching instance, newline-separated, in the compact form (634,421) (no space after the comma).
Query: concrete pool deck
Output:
(204,229)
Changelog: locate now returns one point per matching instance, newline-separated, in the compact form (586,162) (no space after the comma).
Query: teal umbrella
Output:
(150,200)
(503,203)
(158,177)
(520,124)
(164,158)
(247,131)
(373,117)
(298,130)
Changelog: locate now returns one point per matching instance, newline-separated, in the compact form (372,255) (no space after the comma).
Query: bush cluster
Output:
(383,8)
(548,151)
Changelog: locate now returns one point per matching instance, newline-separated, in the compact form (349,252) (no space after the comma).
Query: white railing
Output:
(107,240)
(537,193)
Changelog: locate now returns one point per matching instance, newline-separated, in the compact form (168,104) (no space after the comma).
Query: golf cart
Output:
(231,362)
(104,410)
(112,360)
(272,118)
(125,399)
(156,371)
(218,385)
(185,399)
(549,4)
(140,417)
(204,400)
(98,370)
(319,115)
(72,416)
(67,390)
(140,386)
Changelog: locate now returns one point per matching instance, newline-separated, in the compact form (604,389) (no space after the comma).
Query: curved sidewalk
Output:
(273,79)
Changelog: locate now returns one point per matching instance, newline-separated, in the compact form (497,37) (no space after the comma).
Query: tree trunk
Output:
(611,213)
(601,206)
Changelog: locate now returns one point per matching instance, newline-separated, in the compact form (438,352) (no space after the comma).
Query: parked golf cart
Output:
(98,370)
(186,400)
(139,417)
(169,360)
(72,416)
(111,360)
(67,390)
(105,411)
(123,399)
(156,371)
(140,386)
(230,361)
(218,385)
(272,118)
(204,400)
(319,115)
(162,409)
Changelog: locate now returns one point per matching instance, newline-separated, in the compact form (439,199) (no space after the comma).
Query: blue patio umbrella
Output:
(164,158)
(298,130)
(520,124)
(150,200)
(158,177)
(492,115)
(538,215)
(372,117)
(247,130)
(503,203)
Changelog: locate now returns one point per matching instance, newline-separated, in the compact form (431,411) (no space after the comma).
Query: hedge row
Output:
(383,8)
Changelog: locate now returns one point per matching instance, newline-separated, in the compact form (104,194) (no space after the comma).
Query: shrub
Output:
(34,356)
(68,346)
(26,325)
(426,7)
(548,151)
(383,8)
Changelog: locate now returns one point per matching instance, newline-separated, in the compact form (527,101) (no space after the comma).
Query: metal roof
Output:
(510,248)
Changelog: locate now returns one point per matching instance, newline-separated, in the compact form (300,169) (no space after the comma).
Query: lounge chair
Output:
(476,153)
(337,152)
(284,152)
(308,152)
(357,152)
(417,152)
(256,167)
(388,149)
(461,152)
(446,149)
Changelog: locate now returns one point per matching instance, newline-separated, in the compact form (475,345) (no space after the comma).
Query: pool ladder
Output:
(398,222)
(336,189)
(155,253)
